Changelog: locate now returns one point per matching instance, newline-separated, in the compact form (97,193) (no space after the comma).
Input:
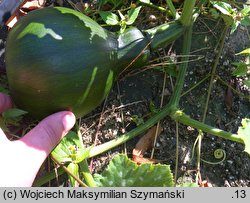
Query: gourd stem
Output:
(187,13)
(175,98)
(186,120)
(164,34)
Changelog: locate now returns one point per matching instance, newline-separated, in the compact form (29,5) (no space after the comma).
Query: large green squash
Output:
(59,59)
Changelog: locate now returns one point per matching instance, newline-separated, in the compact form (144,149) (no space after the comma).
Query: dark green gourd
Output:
(59,59)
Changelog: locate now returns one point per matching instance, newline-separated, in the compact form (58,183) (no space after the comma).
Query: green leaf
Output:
(122,172)
(228,19)
(132,15)
(214,13)
(3,125)
(234,26)
(3,90)
(137,120)
(70,149)
(246,51)
(245,10)
(244,133)
(247,82)
(74,169)
(241,69)
(245,21)
(223,7)
(13,113)
(109,17)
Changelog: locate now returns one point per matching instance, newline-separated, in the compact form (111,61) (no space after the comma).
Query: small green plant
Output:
(11,117)
(233,17)
(122,20)
(242,68)
(137,120)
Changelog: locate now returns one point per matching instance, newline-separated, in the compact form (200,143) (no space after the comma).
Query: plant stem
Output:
(133,133)
(84,167)
(176,152)
(187,12)
(223,36)
(175,98)
(159,8)
(186,120)
(172,9)
(196,85)
(70,173)
(48,177)
(86,173)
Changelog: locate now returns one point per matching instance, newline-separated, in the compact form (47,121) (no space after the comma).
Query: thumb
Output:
(47,134)
(35,146)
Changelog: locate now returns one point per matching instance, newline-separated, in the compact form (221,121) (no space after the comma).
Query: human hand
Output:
(21,159)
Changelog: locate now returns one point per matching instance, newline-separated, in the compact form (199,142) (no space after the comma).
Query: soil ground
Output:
(130,102)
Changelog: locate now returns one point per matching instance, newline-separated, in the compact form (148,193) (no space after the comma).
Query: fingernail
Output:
(68,120)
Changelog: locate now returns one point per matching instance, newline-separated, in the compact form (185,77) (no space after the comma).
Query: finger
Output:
(5,102)
(38,143)
(46,135)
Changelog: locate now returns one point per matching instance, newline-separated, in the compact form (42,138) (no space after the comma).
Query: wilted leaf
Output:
(109,18)
(70,149)
(146,142)
(27,5)
(228,98)
(205,183)
(122,172)
(244,133)
(32,5)
(142,160)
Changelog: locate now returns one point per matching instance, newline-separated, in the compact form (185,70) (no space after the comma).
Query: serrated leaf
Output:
(122,172)
(70,149)
(241,69)
(132,15)
(109,17)
(244,133)
(13,113)
(246,51)
(74,169)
